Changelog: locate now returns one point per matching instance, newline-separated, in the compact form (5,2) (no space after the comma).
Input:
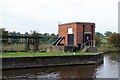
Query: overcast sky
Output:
(44,15)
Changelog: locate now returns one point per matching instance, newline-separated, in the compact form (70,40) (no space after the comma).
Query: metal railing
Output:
(89,43)
(60,40)
(56,42)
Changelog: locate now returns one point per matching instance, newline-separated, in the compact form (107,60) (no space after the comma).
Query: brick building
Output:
(75,36)
(76,33)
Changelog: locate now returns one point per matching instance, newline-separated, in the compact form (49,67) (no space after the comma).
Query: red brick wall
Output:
(94,32)
(88,28)
(79,34)
(63,31)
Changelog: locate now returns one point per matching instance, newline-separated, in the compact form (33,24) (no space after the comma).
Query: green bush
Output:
(114,40)
(97,40)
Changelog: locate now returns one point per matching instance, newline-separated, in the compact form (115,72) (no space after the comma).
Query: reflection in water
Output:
(107,70)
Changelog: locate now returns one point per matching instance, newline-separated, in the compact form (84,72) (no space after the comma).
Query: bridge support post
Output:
(36,44)
(27,44)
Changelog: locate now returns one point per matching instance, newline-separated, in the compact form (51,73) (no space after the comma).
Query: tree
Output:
(114,40)
(46,34)
(99,34)
(48,38)
(14,40)
(26,34)
(107,33)
(53,37)
(36,40)
(4,33)
(97,40)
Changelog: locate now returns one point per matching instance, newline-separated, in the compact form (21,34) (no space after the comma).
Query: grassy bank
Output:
(108,49)
(24,54)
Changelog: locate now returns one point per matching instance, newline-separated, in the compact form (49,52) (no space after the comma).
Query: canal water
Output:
(106,71)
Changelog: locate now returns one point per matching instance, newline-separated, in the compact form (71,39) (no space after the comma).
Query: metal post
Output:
(94,43)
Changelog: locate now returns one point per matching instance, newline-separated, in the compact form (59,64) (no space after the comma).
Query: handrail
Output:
(56,42)
(84,45)
(59,40)
(92,44)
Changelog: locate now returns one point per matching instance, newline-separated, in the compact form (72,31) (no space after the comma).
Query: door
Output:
(70,39)
(87,39)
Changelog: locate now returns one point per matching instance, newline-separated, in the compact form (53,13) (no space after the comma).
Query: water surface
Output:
(108,70)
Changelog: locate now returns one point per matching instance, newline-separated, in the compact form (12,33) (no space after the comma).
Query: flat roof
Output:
(77,23)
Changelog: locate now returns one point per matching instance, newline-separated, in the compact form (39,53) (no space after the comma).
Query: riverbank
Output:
(34,54)
(44,61)
(106,49)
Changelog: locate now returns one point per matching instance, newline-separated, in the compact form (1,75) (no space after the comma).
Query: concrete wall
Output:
(21,47)
(55,49)
(25,62)
(13,47)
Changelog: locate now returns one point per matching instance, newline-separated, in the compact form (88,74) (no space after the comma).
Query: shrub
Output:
(114,40)
(97,40)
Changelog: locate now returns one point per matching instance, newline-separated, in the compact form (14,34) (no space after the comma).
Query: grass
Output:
(107,49)
(29,54)
(104,40)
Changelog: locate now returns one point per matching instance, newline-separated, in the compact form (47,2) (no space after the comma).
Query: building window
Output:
(70,31)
